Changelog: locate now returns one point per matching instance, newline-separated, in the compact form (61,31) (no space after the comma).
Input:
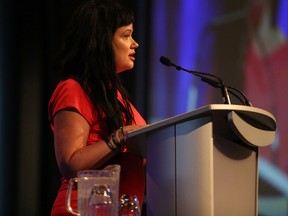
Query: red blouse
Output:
(69,94)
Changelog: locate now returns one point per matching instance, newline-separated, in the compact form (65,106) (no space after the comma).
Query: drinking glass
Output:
(100,201)
(129,205)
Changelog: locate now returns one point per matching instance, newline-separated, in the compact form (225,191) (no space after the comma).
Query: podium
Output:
(204,162)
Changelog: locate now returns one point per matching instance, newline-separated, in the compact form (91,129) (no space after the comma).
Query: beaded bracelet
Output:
(117,140)
(111,145)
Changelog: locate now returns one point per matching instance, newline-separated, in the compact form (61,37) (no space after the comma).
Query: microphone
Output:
(226,99)
(216,82)
(218,85)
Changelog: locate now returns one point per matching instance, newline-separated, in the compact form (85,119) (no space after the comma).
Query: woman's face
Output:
(124,48)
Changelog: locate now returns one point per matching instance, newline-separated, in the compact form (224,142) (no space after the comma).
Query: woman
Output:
(89,110)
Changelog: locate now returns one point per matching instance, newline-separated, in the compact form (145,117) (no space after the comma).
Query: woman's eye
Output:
(126,36)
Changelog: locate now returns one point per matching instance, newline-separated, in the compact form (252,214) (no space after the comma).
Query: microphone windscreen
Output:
(165,61)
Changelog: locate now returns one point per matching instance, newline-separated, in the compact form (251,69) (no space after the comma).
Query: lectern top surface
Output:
(257,114)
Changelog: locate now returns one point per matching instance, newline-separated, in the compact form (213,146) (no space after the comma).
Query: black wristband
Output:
(117,140)
(111,145)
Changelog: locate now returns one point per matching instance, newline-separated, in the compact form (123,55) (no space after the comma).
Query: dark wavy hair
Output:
(88,57)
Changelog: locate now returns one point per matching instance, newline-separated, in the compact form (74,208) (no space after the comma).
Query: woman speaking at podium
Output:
(89,111)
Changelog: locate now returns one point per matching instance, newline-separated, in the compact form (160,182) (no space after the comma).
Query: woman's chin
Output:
(125,68)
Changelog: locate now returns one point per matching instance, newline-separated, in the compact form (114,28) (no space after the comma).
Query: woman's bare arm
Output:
(71,132)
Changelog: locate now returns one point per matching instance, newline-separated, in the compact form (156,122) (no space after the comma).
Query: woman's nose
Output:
(135,44)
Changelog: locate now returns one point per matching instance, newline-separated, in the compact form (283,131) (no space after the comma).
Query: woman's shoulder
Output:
(69,94)
(69,83)
(69,88)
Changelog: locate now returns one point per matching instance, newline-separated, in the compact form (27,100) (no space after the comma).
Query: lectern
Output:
(204,162)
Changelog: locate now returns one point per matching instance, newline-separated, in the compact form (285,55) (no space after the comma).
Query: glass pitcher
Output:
(97,191)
